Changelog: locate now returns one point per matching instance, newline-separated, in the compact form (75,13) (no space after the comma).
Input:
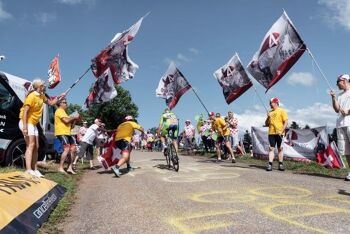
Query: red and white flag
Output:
(115,56)
(279,51)
(103,90)
(172,86)
(111,156)
(54,76)
(330,157)
(233,79)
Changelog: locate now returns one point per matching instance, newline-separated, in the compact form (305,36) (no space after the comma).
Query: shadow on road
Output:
(318,175)
(162,166)
(343,192)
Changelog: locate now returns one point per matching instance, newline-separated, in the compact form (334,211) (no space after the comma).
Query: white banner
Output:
(298,144)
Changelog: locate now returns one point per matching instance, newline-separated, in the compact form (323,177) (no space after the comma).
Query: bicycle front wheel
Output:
(174,158)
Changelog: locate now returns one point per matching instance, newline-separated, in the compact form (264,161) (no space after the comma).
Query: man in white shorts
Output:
(341,105)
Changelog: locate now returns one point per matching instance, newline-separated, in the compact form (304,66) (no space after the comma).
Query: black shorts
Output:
(123,145)
(67,140)
(275,139)
(223,139)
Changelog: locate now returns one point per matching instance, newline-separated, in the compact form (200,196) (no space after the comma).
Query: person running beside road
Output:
(86,143)
(188,135)
(63,126)
(341,105)
(277,121)
(30,115)
(123,136)
(219,125)
(233,124)
(168,121)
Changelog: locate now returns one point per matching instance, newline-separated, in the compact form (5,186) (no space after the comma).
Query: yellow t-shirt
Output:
(219,123)
(277,118)
(35,101)
(125,130)
(61,128)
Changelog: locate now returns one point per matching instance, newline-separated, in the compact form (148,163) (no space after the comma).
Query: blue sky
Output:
(200,36)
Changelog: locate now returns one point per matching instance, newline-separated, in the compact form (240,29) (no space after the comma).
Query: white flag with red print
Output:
(279,51)
(115,56)
(233,79)
(103,90)
(172,86)
(54,76)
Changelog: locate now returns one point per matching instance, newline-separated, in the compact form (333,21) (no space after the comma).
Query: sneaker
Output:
(165,150)
(281,167)
(269,167)
(347,178)
(116,171)
(38,173)
(219,160)
(31,172)
(233,160)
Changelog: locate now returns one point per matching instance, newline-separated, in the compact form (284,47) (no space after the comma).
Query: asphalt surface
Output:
(207,197)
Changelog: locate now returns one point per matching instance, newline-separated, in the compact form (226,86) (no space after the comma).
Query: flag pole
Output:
(319,68)
(309,52)
(257,94)
(76,82)
(200,100)
(253,85)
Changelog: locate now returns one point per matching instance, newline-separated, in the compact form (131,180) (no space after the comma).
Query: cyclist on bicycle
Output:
(168,121)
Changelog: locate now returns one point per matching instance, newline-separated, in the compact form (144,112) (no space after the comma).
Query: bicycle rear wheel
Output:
(167,157)
(174,158)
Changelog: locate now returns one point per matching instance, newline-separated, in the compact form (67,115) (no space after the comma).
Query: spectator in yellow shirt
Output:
(219,125)
(123,138)
(277,121)
(30,115)
(63,126)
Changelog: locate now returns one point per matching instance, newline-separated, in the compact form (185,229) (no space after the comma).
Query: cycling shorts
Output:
(173,129)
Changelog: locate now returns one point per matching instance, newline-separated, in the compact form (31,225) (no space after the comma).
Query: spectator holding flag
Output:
(277,121)
(341,105)
(63,126)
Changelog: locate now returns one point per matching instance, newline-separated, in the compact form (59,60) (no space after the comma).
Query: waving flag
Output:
(330,157)
(53,73)
(172,86)
(115,56)
(233,79)
(103,90)
(280,50)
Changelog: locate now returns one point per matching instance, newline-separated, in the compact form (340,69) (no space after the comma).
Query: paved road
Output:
(208,197)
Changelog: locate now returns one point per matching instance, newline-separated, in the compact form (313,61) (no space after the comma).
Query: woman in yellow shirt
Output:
(30,116)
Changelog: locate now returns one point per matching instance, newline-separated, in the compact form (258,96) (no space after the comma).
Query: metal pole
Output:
(76,82)
(260,98)
(313,58)
(200,100)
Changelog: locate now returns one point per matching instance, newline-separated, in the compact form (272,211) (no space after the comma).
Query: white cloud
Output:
(318,114)
(182,57)
(76,2)
(45,17)
(194,50)
(3,14)
(302,78)
(340,12)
